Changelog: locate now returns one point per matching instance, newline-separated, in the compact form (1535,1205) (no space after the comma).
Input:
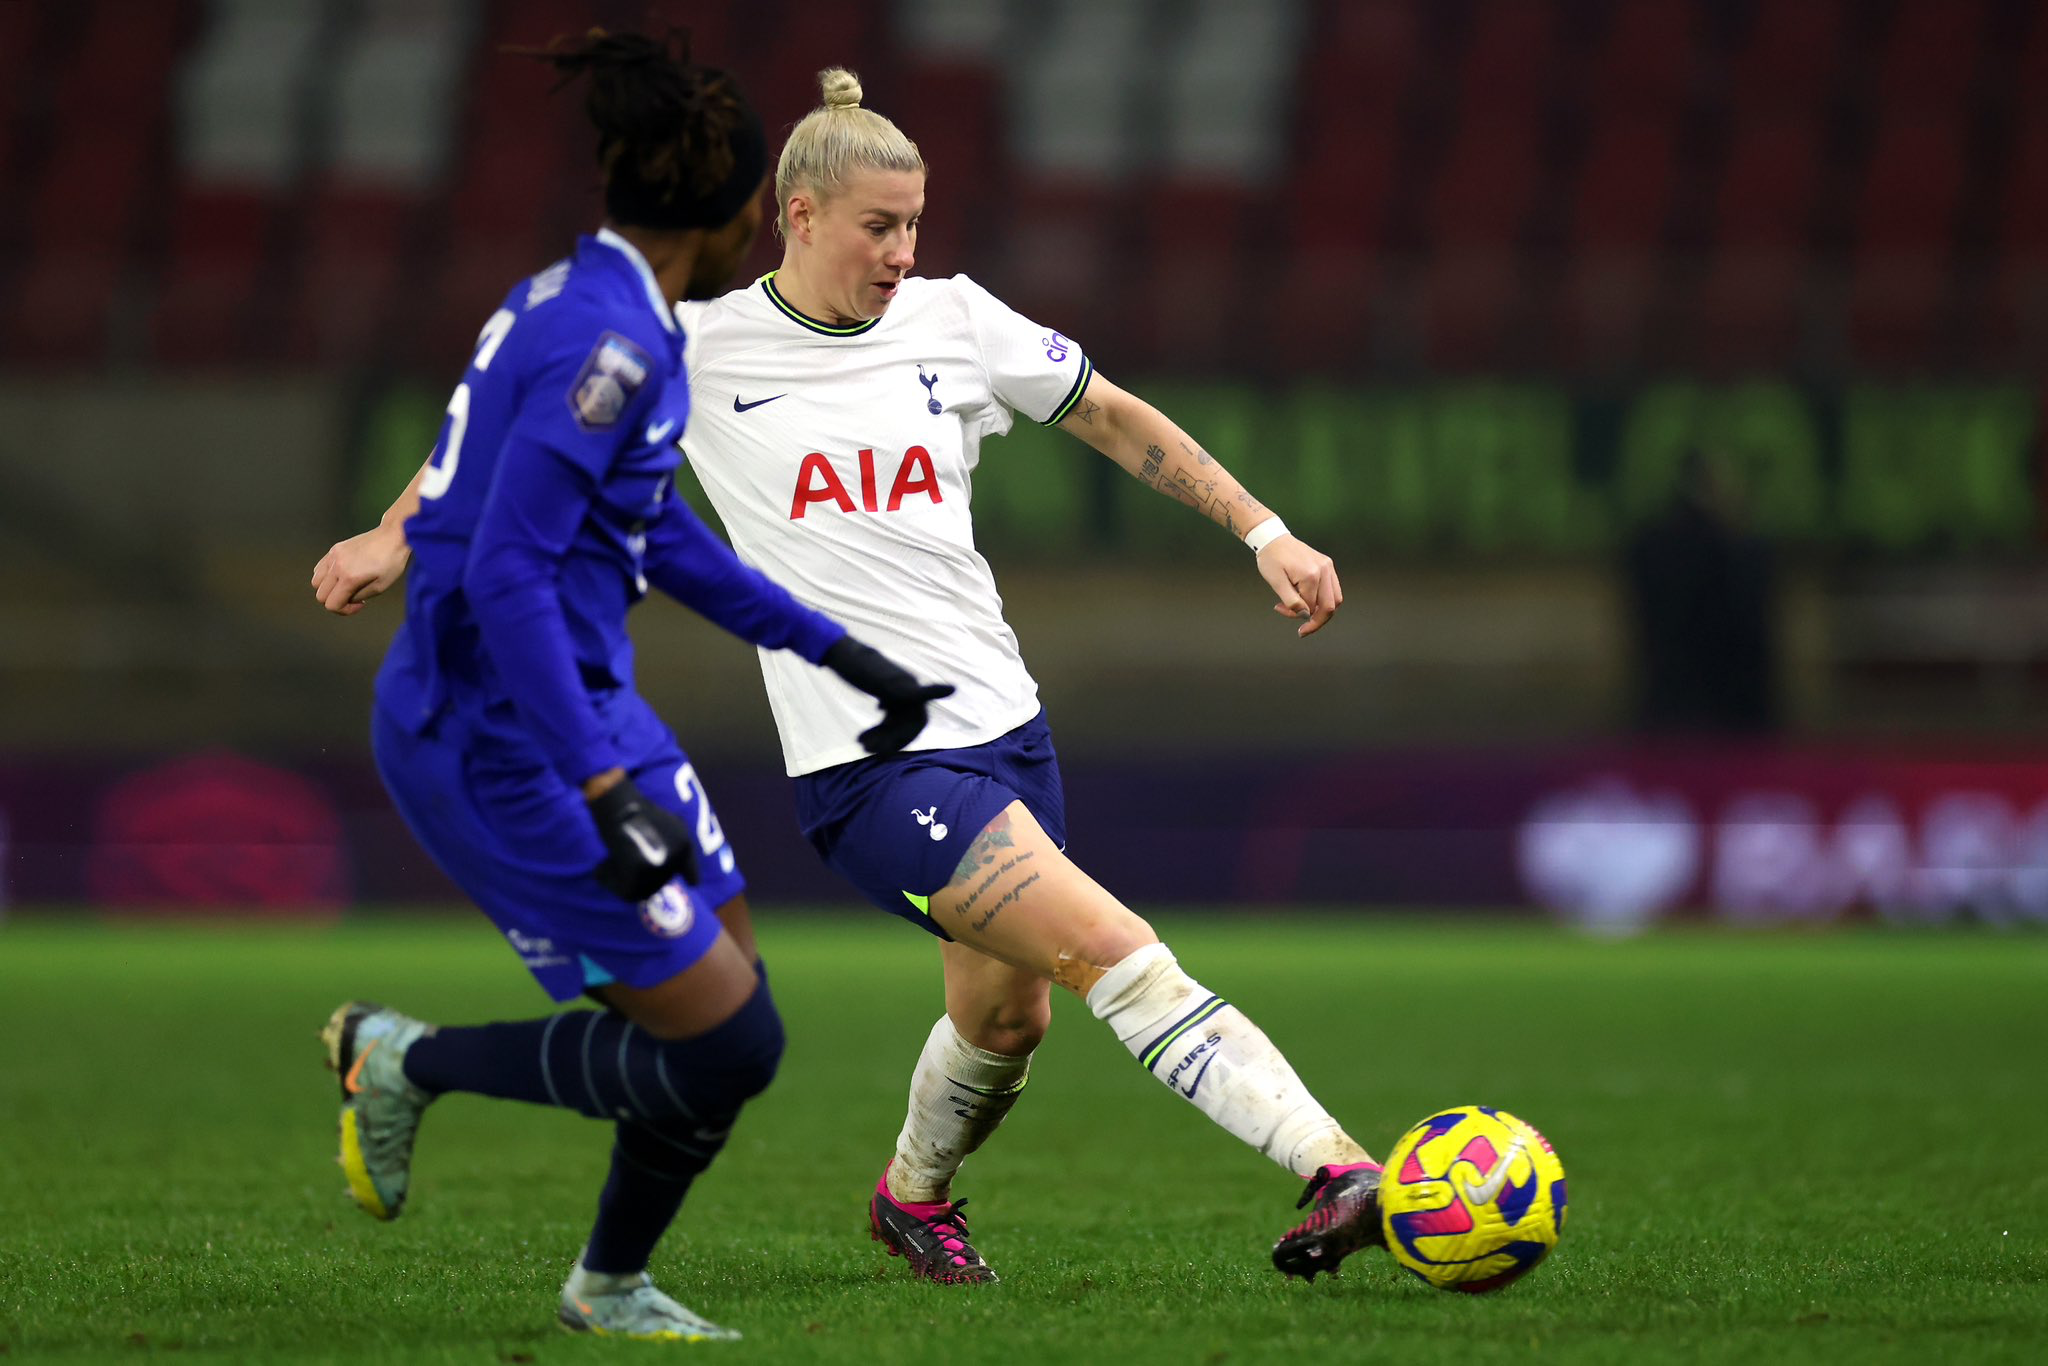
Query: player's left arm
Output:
(366,564)
(1154,450)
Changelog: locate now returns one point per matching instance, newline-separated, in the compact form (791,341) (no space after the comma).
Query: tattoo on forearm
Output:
(1181,481)
(1089,410)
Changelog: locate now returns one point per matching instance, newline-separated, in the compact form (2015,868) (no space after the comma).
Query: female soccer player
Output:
(859,397)
(507,727)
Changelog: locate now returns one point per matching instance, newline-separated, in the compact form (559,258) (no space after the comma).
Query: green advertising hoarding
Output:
(1490,470)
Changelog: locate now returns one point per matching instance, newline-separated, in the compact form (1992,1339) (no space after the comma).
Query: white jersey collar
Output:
(663,308)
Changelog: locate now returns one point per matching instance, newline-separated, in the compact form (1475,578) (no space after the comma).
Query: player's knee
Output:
(757,1055)
(1014,1029)
(721,1070)
(766,1060)
(1097,948)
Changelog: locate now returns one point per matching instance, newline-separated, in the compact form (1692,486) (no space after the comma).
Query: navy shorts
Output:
(519,840)
(896,826)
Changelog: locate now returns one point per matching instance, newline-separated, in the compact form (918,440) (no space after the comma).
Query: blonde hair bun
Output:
(835,141)
(841,87)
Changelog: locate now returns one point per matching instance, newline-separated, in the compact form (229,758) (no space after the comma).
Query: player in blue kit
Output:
(507,726)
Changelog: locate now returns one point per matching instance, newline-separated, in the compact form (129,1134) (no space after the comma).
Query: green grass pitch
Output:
(1781,1148)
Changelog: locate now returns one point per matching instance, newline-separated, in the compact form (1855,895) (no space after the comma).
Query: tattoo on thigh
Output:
(1002,870)
(982,851)
(1006,899)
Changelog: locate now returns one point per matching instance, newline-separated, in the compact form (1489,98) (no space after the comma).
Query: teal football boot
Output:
(630,1307)
(380,1109)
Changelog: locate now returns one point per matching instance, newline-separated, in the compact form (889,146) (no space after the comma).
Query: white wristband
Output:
(1265,533)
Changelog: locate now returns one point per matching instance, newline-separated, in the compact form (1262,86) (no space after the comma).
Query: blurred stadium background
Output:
(1664,376)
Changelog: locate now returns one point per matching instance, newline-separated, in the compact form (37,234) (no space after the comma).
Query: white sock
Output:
(1209,1053)
(958,1095)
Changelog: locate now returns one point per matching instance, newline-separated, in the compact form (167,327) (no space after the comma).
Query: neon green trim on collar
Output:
(805,319)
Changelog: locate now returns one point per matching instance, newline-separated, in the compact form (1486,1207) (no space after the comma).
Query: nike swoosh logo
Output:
(653,850)
(1192,1085)
(353,1082)
(740,407)
(656,435)
(1485,1191)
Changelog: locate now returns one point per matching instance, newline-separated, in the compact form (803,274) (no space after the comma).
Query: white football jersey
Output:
(842,462)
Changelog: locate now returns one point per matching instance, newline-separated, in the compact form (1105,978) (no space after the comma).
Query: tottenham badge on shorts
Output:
(669,912)
(611,375)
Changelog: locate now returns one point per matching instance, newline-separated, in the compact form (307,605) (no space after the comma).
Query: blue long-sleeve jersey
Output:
(547,510)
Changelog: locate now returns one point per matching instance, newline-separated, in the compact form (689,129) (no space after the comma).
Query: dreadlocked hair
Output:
(662,122)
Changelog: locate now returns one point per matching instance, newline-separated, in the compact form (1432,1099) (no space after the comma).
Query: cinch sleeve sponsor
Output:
(1032,369)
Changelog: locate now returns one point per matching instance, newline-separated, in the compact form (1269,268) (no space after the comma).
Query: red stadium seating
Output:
(79,241)
(1790,56)
(1318,311)
(1645,62)
(1625,185)
(1750,311)
(1416,217)
(1930,54)
(1605,307)
(1913,184)
(1058,262)
(781,73)
(356,244)
(951,113)
(21,34)
(1467,295)
(1360,62)
(1750,303)
(107,110)
(1609,285)
(1900,271)
(524,179)
(1487,183)
(219,246)
(1508,55)
(1768,191)
(2017,319)
(1473,223)
(2030,81)
(1322,268)
(1196,291)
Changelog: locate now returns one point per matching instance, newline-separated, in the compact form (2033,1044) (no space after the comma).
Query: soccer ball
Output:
(1472,1199)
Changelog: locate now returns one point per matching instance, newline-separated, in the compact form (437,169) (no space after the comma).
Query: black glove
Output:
(903,698)
(645,844)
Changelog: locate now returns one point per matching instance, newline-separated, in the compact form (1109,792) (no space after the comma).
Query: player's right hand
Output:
(645,843)
(358,569)
(1305,582)
(903,698)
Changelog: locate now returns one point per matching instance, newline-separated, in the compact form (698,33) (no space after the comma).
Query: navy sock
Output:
(652,1169)
(601,1064)
(674,1100)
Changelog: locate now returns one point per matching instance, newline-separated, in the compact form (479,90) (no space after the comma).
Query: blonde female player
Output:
(842,405)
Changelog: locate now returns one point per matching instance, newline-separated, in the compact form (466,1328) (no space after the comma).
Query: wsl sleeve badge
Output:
(1473,1199)
(611,375)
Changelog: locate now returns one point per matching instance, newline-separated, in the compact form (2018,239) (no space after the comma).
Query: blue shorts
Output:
(897,826)
(519,840)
